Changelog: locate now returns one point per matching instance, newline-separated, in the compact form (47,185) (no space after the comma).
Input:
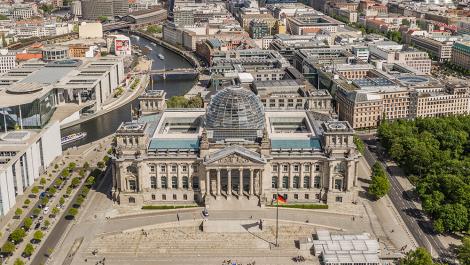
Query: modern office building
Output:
(441,50)
(55,52)
(24,154)
(234,150)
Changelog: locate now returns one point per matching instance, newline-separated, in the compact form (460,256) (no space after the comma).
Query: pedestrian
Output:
(178,217)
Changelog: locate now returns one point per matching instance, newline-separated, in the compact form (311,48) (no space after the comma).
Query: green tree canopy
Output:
(28,250)
(420,256)
(18,212)
(380,185)
(27,223)
(17,235)
(73,212)
(38,235)
(182,102)
(75,182)
(35,190)
(152,29)
(464,251)
(18,261)
(8,248)
(103,19)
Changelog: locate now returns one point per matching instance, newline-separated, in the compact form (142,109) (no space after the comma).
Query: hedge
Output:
(303,206)
(166,207)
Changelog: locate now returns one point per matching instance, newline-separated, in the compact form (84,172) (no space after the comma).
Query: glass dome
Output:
(235,108)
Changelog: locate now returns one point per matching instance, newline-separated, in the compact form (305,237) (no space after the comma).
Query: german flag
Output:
(280,199)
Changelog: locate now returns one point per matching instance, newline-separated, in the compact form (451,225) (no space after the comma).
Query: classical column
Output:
(218,182)
(158,177)
(207,186)
(279,177)
(330,176)
(291,178)
(260,174)
(301,184)
(190,177)
(240,189)
(312,176)
(140,176)
(229,182)
(251,182)
(179,177)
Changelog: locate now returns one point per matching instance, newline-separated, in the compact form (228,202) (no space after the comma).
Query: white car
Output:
(46,210)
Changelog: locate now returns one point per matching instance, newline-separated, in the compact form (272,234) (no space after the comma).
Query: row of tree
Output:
(182,102)
(435,153)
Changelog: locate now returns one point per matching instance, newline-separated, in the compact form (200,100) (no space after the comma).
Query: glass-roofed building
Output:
(234,150)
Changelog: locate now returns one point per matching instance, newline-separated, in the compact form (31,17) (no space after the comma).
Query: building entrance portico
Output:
(226,182)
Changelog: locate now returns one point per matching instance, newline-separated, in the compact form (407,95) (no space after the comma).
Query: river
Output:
(107,124)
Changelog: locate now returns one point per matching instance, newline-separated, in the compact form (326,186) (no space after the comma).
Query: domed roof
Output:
(235,107)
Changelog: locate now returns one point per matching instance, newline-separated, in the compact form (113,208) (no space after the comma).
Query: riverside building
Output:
(234,150)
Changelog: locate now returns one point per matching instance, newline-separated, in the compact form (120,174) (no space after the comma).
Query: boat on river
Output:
(161,56)
(72,138)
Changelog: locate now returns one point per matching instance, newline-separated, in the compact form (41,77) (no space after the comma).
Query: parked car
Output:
(46,210)
(42,195)
(38,224)
(205,213)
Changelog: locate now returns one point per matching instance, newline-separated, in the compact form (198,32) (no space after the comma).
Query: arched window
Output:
(306,182)
(285,182)
(174,182)
(185,182)
(317,182)
(195,182)
(274,182)
(132,184)
(338,184)
(131,200)
(164,183)
(296,183)
(153,182)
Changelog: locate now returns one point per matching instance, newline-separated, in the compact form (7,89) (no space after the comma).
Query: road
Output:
(413,217)
(60,228)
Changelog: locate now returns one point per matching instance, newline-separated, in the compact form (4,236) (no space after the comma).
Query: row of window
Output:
(307,197)
(338,183)
(173,168)
(296,168)
(132,184)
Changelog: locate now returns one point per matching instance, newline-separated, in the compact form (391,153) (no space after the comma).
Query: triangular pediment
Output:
(234,155)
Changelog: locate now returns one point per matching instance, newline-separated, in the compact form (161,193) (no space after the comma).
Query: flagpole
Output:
(277,219)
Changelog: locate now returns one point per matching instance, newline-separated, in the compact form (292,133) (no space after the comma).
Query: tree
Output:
(81,173)
(380,184)
(405,22)
(47,9)
(68,191)
(27,223)
(75,182)
(420,256)
(73,212)
(8,248)
(47,223)
(28,250)
(90,180)
(61,201)
(3,17)
(65,173)
(45,200)
(86,166)
(153,29)
(18,212)
(464,251)
(72,166)
(42,181)
(52,191)
(359,144)
(100,164)
(103,19)
(79,200)
(58,182)
(35,190)
(18,261)
(55,211)
(27,201)
(38,235)
(36,211)
(454,217)
(17,235)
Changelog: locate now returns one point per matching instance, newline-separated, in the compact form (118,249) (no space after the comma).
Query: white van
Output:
(46,210)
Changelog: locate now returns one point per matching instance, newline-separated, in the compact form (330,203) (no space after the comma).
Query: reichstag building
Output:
(234,150)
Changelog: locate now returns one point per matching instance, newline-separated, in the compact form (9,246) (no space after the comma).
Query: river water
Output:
(107,124)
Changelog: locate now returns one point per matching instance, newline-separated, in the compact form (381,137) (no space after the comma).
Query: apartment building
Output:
(307,24)
(461,54)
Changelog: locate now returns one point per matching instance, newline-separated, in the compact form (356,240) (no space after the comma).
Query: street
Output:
(412,216)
